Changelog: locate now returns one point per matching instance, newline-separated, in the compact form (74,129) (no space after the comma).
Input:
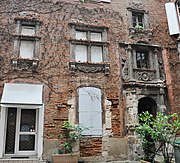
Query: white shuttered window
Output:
(90,110)
(26,49)
(172,18)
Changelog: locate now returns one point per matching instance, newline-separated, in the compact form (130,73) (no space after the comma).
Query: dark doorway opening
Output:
(147,104)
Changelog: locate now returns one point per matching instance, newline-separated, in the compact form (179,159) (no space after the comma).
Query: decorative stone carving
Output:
(124,69)
(134,5)
(161,69)
(24,64)
(144,75)
(140,33)
(89,68)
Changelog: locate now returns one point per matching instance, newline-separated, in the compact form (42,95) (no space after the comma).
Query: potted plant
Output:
(70,135)
(158,134)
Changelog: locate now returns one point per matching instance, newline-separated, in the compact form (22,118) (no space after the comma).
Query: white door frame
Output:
(40,123)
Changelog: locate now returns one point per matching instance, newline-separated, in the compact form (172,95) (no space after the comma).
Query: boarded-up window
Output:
(96,36)
(172,18)
(90,110)
(28,30)
(96,54)
(80,35)
(26,49)
(80,53)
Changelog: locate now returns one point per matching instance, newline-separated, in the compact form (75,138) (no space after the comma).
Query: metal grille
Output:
(11,131)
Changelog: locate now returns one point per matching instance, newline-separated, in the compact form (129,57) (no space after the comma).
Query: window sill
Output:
(24,63)
(27,37)
(89,67)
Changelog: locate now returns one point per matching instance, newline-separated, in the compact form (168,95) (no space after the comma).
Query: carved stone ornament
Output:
(134,5)
(144,75)
(24,64)
(89,68)
(124,69)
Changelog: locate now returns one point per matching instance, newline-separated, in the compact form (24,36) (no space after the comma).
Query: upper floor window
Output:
(90,110)
(142,59)
(89,44)
(26,44)
(137,19)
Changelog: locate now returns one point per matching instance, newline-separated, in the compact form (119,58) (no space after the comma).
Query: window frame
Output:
(88,42)
(26,37)
(137,22)
(132,10)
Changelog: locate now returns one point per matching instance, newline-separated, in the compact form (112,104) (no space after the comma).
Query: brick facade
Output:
(120,93)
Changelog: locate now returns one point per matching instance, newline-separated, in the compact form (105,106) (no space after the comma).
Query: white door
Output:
(21,131)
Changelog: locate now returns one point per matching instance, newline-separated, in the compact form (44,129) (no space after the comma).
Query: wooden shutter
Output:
(90,110)
(85,110)
(172,18)
(96,112)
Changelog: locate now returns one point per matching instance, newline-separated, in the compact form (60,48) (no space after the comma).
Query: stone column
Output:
(130,67)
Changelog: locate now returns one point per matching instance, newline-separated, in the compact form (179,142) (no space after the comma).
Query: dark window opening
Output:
(142,59)
(137,19)
(147,104)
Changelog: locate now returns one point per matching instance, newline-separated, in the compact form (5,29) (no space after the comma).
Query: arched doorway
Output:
(147,104)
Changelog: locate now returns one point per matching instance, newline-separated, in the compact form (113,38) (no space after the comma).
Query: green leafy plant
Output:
(139,27)
(157,134)
(71,134)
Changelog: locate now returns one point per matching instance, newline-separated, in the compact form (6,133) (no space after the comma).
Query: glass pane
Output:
(96,54)
(142,60)
(28,30)
(27,49)
(11,130)
(27,143)
(96,36)
(28,120)
(81,35)
(80,53)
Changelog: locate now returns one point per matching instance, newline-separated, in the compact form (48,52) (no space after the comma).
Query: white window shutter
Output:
(85,110)
(96,36)
(28,30)
(96,54)
(80,53)
(96,112)
(90,110)
(81,35)
(27,49)
(172,18)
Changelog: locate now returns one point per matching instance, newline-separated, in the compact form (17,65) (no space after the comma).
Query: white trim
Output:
(2,129)
(40,123)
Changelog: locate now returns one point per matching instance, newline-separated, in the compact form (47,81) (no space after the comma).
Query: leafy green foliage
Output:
(71,134)
(157,134)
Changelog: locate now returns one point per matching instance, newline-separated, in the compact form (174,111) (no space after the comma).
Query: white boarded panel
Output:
(96,36)
(80,52)
(28,30)
(22,94)
(27,49)
(96,54)
(172,18)
(80,35)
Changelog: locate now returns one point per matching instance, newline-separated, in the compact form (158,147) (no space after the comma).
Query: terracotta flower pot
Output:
(65,158)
